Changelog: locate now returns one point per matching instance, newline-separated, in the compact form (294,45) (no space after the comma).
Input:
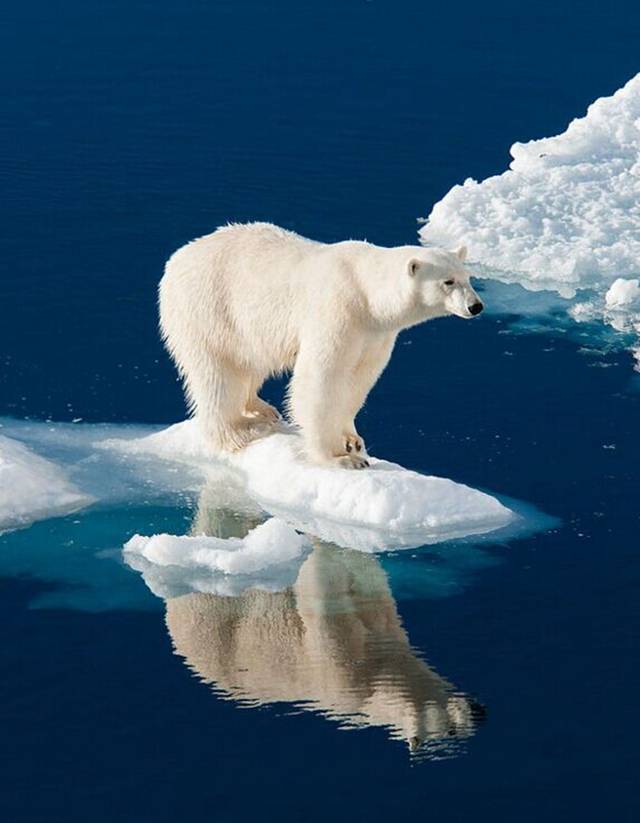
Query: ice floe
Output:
(32,488)
(565,216)
(386,505)
(383,507)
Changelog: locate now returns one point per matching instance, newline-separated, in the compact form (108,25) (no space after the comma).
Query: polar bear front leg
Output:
(319,402)
(376,351)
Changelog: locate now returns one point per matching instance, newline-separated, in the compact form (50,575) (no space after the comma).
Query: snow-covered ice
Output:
(376,508)
(32,488)
(565,216)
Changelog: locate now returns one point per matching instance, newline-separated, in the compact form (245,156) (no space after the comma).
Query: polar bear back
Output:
(250,292)
(255,294)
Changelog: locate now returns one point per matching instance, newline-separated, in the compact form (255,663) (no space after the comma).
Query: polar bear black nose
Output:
(475,308)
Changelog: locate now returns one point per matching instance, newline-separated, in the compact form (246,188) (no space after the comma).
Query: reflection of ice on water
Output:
(321,633)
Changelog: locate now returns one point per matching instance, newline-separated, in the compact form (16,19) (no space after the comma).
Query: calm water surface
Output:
(494,680)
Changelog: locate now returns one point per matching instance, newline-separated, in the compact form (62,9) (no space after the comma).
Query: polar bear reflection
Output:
(332,642)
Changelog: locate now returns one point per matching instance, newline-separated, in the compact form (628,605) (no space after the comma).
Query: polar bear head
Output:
(442,284)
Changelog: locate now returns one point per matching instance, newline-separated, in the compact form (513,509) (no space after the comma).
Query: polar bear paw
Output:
(352,461)
(356,456)
(354,444)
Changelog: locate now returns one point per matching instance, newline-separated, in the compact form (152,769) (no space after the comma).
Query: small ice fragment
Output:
(269,544)
(623,293)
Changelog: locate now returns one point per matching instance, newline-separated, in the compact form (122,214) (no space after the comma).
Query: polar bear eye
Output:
(449,282)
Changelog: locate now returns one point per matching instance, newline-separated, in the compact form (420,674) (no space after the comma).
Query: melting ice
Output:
(32,488)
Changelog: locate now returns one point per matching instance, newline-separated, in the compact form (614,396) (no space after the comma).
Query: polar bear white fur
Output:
(250,301)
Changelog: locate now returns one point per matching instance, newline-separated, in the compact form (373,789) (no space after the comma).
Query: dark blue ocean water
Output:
(129,128)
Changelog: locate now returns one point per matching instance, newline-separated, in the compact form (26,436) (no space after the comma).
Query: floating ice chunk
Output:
(268,557)
(566,214)
(168,582)
(623,293)
(269,543)
(32,488)
(393,505)
(620,309)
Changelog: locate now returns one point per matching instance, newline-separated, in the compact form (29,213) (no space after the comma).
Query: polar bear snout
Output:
(462,301)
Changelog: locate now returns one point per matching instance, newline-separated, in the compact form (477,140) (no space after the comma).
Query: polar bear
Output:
(253,300)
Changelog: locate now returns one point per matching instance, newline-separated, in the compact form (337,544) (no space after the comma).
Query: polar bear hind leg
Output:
(222,398)
(229,415)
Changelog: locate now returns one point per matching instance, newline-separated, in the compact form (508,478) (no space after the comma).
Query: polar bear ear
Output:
(427,270)
(461,253)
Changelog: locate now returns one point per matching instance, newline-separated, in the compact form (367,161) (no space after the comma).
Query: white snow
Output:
(386,505)
(565,216)
(32,488)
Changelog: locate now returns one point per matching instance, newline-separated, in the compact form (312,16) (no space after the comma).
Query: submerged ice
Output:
(32,488)
(565,216)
